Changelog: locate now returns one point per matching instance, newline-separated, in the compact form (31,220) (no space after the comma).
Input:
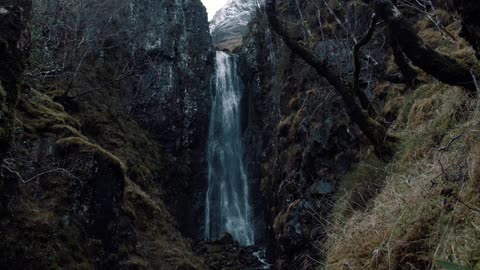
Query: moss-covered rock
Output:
(38,113)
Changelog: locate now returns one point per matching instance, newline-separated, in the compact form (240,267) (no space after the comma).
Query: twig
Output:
(47,172)
(475,80)
(6,165)
(356,50)
(443,170)
(467,205)
(445,148)
(357,64)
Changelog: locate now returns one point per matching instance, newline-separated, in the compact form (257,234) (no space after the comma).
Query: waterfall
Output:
(227,206)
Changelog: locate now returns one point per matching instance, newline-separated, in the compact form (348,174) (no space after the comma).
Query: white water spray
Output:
(227,206)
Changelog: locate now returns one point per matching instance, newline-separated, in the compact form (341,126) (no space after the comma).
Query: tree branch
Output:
(357,65)
(440,66)
(373,130)
(408,73)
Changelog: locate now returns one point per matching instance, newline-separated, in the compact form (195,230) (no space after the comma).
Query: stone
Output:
(322,188)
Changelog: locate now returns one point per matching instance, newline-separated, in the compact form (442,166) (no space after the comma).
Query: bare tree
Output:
(373,130)
(440,66)
(404,42)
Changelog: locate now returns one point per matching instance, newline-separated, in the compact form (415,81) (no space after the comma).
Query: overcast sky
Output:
(212,6)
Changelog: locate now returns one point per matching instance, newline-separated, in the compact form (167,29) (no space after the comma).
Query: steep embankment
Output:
(426,213)
(110,124)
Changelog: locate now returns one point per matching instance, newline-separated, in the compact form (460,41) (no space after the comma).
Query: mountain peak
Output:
(229,24)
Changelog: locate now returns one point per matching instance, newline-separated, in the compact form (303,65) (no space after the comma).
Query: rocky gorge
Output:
(280,135)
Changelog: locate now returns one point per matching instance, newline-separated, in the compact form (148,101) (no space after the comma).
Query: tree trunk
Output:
(373,130)
(434,63)
(469,10)
(409,74)
(357,67)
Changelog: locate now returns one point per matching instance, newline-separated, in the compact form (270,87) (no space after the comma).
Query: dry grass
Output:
(456,48)
(428,114)
(428,209)
(159,242)
(85,146)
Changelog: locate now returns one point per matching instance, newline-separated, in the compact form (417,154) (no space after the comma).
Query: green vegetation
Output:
(38,113)
(452,266)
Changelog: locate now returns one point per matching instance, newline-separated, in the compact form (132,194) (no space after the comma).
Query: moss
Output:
(458,49)
(39,113)
(64,131)
(138,197)
(134,262)
(127,140)
(85,146)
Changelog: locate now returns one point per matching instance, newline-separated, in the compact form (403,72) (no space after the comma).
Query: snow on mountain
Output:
(229,24)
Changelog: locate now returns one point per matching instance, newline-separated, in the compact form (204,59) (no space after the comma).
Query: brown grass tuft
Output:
(428,208)
(475,167)
(82,145)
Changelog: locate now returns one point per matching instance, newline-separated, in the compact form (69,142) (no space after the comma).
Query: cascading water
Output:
(227,208)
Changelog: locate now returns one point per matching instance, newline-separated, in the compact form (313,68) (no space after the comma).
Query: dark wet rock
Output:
(227,254)
(93,199)
(98,195)
(288,227)
(14,50)
(176,101)
(322,188)
(306,144)
(227,239)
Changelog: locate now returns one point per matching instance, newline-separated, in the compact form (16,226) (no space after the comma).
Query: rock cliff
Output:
(104,111)
(299,142)
(106,168)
